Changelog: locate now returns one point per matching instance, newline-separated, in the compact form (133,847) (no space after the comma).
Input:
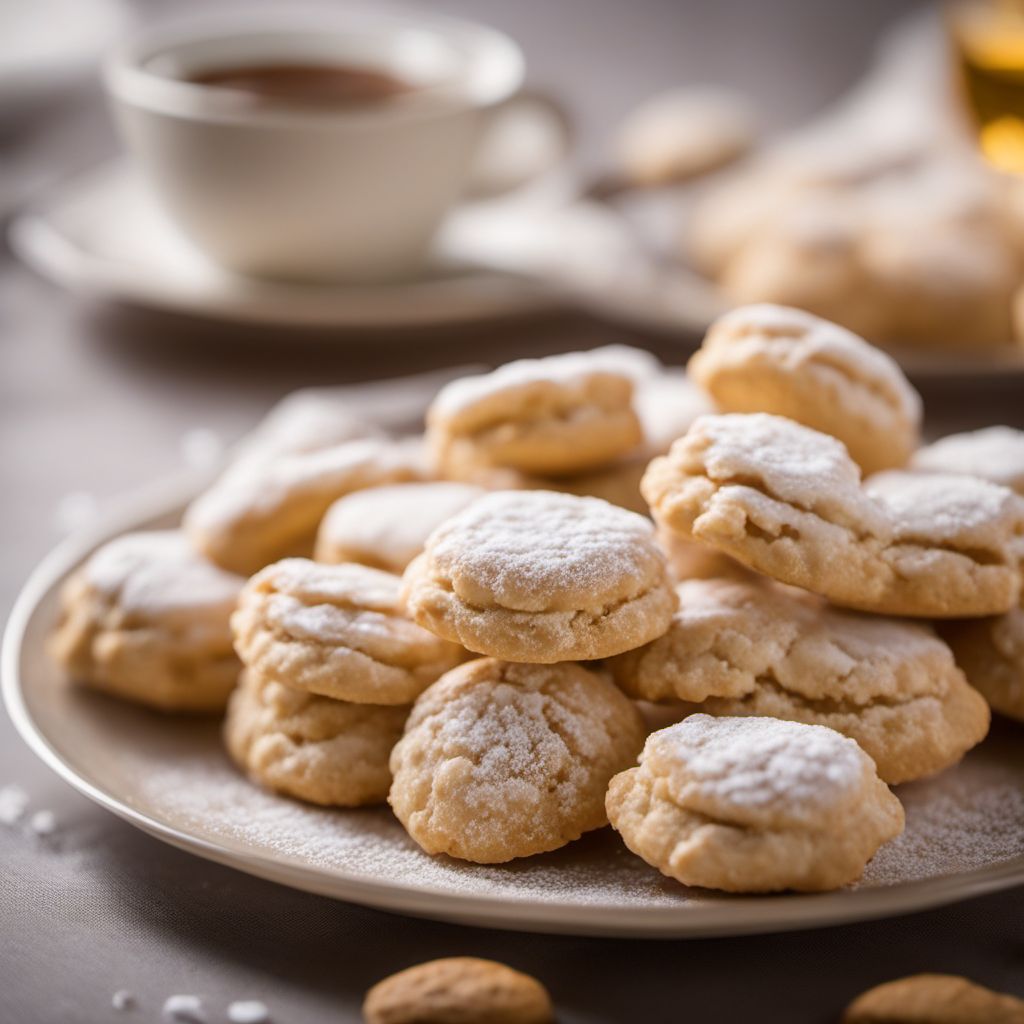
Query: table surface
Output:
(95,401)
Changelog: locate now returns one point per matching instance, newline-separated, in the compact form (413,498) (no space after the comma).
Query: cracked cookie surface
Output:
(751,648)
(754,805)
(991,653)
(557,415)
(329,752)
(787,501)
(776,359)
(147,619)
(995,453)
(264,509)
(502,760)
(539,576)
(338,631)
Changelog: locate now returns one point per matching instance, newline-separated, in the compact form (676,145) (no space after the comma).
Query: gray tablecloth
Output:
(94,401)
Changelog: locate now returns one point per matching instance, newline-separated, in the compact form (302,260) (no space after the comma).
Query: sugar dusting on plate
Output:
(967,818)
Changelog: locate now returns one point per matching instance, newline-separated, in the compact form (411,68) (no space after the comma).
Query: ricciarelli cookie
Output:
(558,415)
(542,577)
(146,619)
(750,648)
(337,631)
(962,534)
(458,990)
(329,752)
(754,805)
(934,999)
(386,527)
(995,453)
(787,501)
(775,359)
(306,420)
(502,760)
(991,653)
(261,510)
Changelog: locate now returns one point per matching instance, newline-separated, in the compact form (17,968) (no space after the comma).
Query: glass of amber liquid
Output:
(988,38)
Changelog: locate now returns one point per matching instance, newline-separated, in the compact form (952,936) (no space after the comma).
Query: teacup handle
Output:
(526,136)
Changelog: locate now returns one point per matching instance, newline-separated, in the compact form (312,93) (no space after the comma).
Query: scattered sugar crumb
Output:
(74,511)
(201,448)
(122,999)
(248,1011)
(183,1009)
(43,823)
(13,801)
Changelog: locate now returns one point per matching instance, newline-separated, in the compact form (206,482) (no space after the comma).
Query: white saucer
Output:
(103,235)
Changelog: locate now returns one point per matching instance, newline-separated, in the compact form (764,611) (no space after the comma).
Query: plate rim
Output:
(741,915)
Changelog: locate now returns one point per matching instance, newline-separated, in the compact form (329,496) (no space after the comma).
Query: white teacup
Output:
(305,193)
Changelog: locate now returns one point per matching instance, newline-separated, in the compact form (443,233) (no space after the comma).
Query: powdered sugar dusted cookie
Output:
(787,500)
(683,133)
(995,453)
(306,420)
(776,359)
(749,647)
(330,752)
(754,805)
(502,760)
(543,577)
(261,510)
(338,631)
(146,618)
(958,534)
(558,415)
(386,527)
(934,999)
(991,653)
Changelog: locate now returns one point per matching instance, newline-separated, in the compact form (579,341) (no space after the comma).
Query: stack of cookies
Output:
(476,625)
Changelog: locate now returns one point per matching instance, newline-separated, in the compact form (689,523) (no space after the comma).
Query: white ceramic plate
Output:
(170,777)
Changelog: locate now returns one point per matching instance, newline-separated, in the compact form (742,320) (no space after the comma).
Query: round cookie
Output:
(683,133)
(502,760)
(146,619)
(933,999)
(387,527)
(808,257)
(947,287)
(774,359)
(960,535)
(991,653)
(995,453)
(538,576)
(754,805)
(787,501)
(751,648)
(558,415)
(306,420)
(338,631)
(329,752)
(261,510)
(458,989)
